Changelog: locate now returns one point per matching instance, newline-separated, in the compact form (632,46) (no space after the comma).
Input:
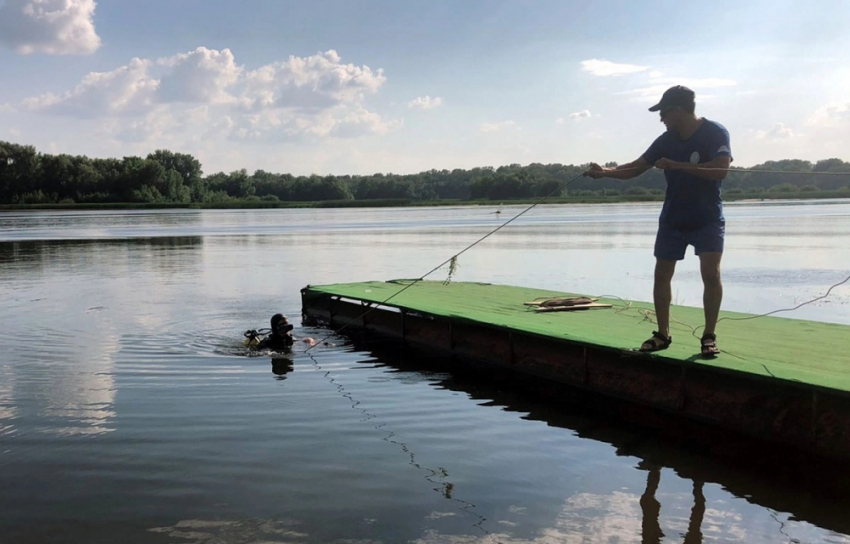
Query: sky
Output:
(367,86)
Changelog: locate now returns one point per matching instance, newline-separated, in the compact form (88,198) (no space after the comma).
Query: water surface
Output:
(129,411)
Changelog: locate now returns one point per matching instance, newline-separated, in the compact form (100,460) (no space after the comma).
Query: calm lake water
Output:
(130,412)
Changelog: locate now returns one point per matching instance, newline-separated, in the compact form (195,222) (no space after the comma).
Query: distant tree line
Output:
(166,177)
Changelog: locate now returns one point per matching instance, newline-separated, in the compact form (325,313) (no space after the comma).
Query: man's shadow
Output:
(650,509)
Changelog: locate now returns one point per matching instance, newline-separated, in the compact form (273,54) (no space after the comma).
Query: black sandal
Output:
(709,347)
(656,343)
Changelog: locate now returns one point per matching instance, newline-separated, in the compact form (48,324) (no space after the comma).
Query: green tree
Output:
(142,180)
(184,164)
(239,184)
(18,170)
(57,176)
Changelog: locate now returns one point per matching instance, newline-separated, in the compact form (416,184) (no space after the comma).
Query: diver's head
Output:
(280,325)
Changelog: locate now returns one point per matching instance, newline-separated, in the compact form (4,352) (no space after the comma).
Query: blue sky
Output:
(358,87)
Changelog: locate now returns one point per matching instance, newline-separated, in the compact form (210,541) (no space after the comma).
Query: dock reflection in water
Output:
(669,505)
(799,500)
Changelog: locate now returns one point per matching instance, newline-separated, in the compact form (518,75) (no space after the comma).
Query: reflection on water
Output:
(226,532)
(281,366)
(70,340)
(670,503)
(40,255)
(650,508)
(651,532)
(130,412)
(8,408)
(97,224)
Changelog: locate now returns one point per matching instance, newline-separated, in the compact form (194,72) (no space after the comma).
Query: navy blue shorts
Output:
(671,243)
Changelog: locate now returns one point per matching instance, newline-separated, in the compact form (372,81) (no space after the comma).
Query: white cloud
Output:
(604,68)
(496,127)
(705,82)
(656,74)
(281,125)
(778,132)
(165,126)
(309,83)
(314,96)
(57,27)
(358,121)
(576,116)
(425,102)
(831,114)
(156,125)
(202,75)
(127,90)
(652,93)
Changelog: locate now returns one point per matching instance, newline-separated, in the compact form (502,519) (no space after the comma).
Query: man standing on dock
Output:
(695,155)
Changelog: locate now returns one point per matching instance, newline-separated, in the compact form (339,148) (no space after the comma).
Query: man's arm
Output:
(624,171)
(713,170)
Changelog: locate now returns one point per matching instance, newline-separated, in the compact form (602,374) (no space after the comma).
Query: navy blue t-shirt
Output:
(691,202)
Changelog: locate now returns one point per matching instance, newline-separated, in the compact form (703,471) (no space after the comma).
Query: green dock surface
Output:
(810,352)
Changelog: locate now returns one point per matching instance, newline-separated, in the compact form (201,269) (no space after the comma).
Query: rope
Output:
(438,477)
(647,313)
(845,280)
(730,170)
(456,255)
(758,171)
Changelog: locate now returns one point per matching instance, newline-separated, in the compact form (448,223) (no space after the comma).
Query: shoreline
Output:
(407,203)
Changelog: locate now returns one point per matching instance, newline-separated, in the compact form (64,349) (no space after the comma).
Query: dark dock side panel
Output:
(770,401)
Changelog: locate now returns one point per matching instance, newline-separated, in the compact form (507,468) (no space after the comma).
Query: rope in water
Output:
(737,171)
(647,313)
(759,171)
(454,257)
(762,171)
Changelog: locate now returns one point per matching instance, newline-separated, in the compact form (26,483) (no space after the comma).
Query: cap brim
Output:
(655,107)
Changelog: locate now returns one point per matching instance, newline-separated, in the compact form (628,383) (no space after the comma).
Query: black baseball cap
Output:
(674,96)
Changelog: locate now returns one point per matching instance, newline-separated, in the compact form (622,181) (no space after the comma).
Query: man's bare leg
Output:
(662,294)
(712,295)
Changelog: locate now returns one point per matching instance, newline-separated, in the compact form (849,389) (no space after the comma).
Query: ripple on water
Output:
(128,402)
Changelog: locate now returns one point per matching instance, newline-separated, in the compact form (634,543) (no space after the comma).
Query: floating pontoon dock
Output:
(777,379)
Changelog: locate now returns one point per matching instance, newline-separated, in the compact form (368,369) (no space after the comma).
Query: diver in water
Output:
(278,339)
(281,336)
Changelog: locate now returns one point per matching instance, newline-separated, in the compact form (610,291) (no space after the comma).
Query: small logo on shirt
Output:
(724,149)
(695,157)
